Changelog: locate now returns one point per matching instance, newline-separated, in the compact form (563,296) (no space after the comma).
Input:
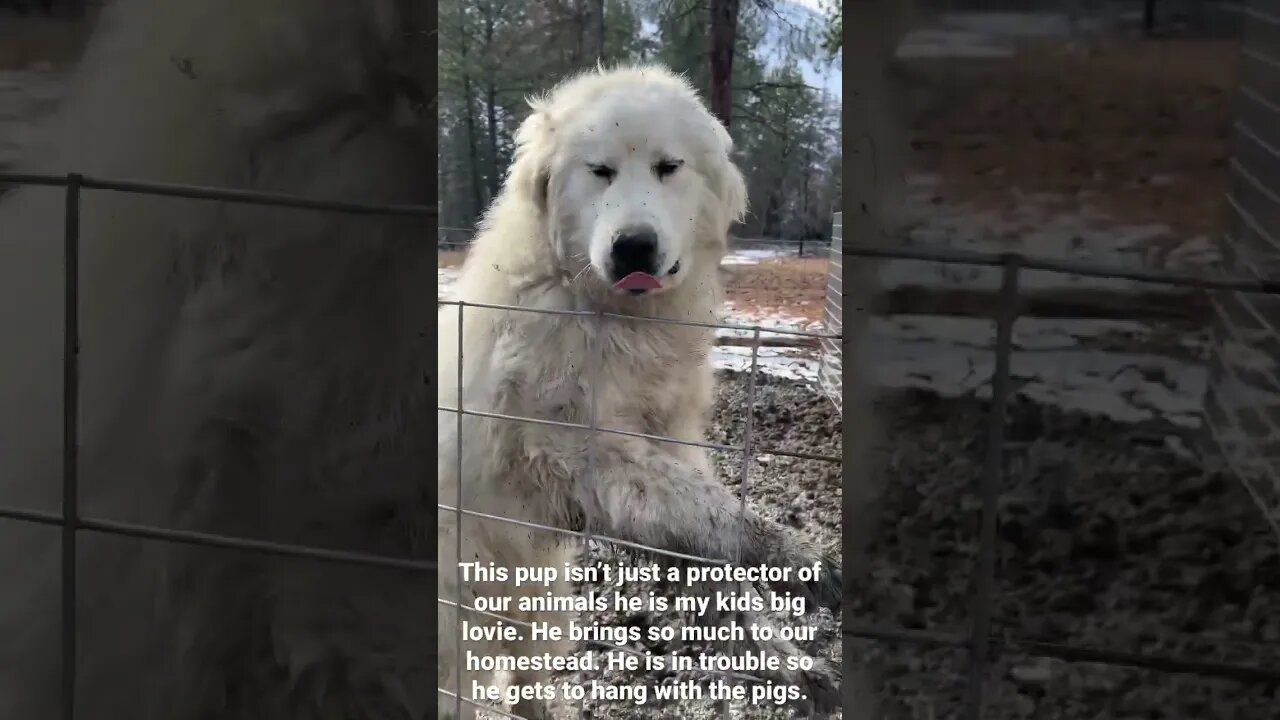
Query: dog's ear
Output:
(531,169)
(729,185)
(733,191)
(531,177)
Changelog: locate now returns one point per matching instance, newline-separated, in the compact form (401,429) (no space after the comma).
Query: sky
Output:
(821,75)
(824,75)
(814,5)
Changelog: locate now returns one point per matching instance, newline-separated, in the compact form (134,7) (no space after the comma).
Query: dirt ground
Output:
(793,287)
(449,258)
(1136,128)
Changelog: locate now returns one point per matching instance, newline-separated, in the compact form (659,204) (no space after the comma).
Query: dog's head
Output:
(632,176)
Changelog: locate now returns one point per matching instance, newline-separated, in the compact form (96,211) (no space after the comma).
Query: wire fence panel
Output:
(69,520)
(595,349)
(1242,407)
(982,642)
(830,371)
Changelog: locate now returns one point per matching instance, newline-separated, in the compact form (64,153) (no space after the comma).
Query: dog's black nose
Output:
(635,249)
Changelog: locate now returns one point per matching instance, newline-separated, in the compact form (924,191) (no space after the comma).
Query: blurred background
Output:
(1136,572)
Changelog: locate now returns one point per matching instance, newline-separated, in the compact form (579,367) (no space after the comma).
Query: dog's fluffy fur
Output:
(245,370)
(544,244)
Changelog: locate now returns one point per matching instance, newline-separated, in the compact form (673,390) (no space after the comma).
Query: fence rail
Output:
(981,642)
(453,238)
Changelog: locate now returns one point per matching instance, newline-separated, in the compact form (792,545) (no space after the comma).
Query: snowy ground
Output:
(1038,227)
(757,254)
(993,35)
(1055,362)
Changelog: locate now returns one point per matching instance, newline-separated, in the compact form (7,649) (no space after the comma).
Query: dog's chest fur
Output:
(557,360)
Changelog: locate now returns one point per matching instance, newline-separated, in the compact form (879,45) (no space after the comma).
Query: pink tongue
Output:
(638,281)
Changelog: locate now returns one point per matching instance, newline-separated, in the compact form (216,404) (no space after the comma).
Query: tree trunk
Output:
(724,33)
(491,113)
(593,20)
(806,222)
(1149,16)
(494,160)
(579,15)
(776,200)
(477,203)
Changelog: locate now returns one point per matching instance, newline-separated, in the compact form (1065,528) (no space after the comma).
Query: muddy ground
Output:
(1112,536)
(1135,127)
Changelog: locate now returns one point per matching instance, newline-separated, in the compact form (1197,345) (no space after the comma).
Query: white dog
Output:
(619,201)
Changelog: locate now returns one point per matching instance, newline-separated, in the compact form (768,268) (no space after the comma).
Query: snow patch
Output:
(1049,364)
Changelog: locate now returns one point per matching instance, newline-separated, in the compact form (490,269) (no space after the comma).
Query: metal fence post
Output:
(744,476)
(458,532)
(70,439)
(992,476)
(595,359)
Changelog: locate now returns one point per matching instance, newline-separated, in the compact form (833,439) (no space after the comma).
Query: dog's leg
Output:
(640,493)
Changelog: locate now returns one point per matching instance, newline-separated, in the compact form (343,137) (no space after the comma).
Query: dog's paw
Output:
(819,690)
(825,589)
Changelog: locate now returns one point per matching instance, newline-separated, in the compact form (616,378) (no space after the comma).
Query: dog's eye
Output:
(602,171)
(666,167)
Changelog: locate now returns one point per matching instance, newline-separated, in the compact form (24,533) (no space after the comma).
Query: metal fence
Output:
(72,522)
(453,238)
(981,642)
(70,519)
(747,449)
(831,369)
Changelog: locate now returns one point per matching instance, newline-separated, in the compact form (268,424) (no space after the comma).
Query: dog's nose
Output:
(635,249)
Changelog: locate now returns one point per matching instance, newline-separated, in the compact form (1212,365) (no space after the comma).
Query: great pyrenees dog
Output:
(617,206)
